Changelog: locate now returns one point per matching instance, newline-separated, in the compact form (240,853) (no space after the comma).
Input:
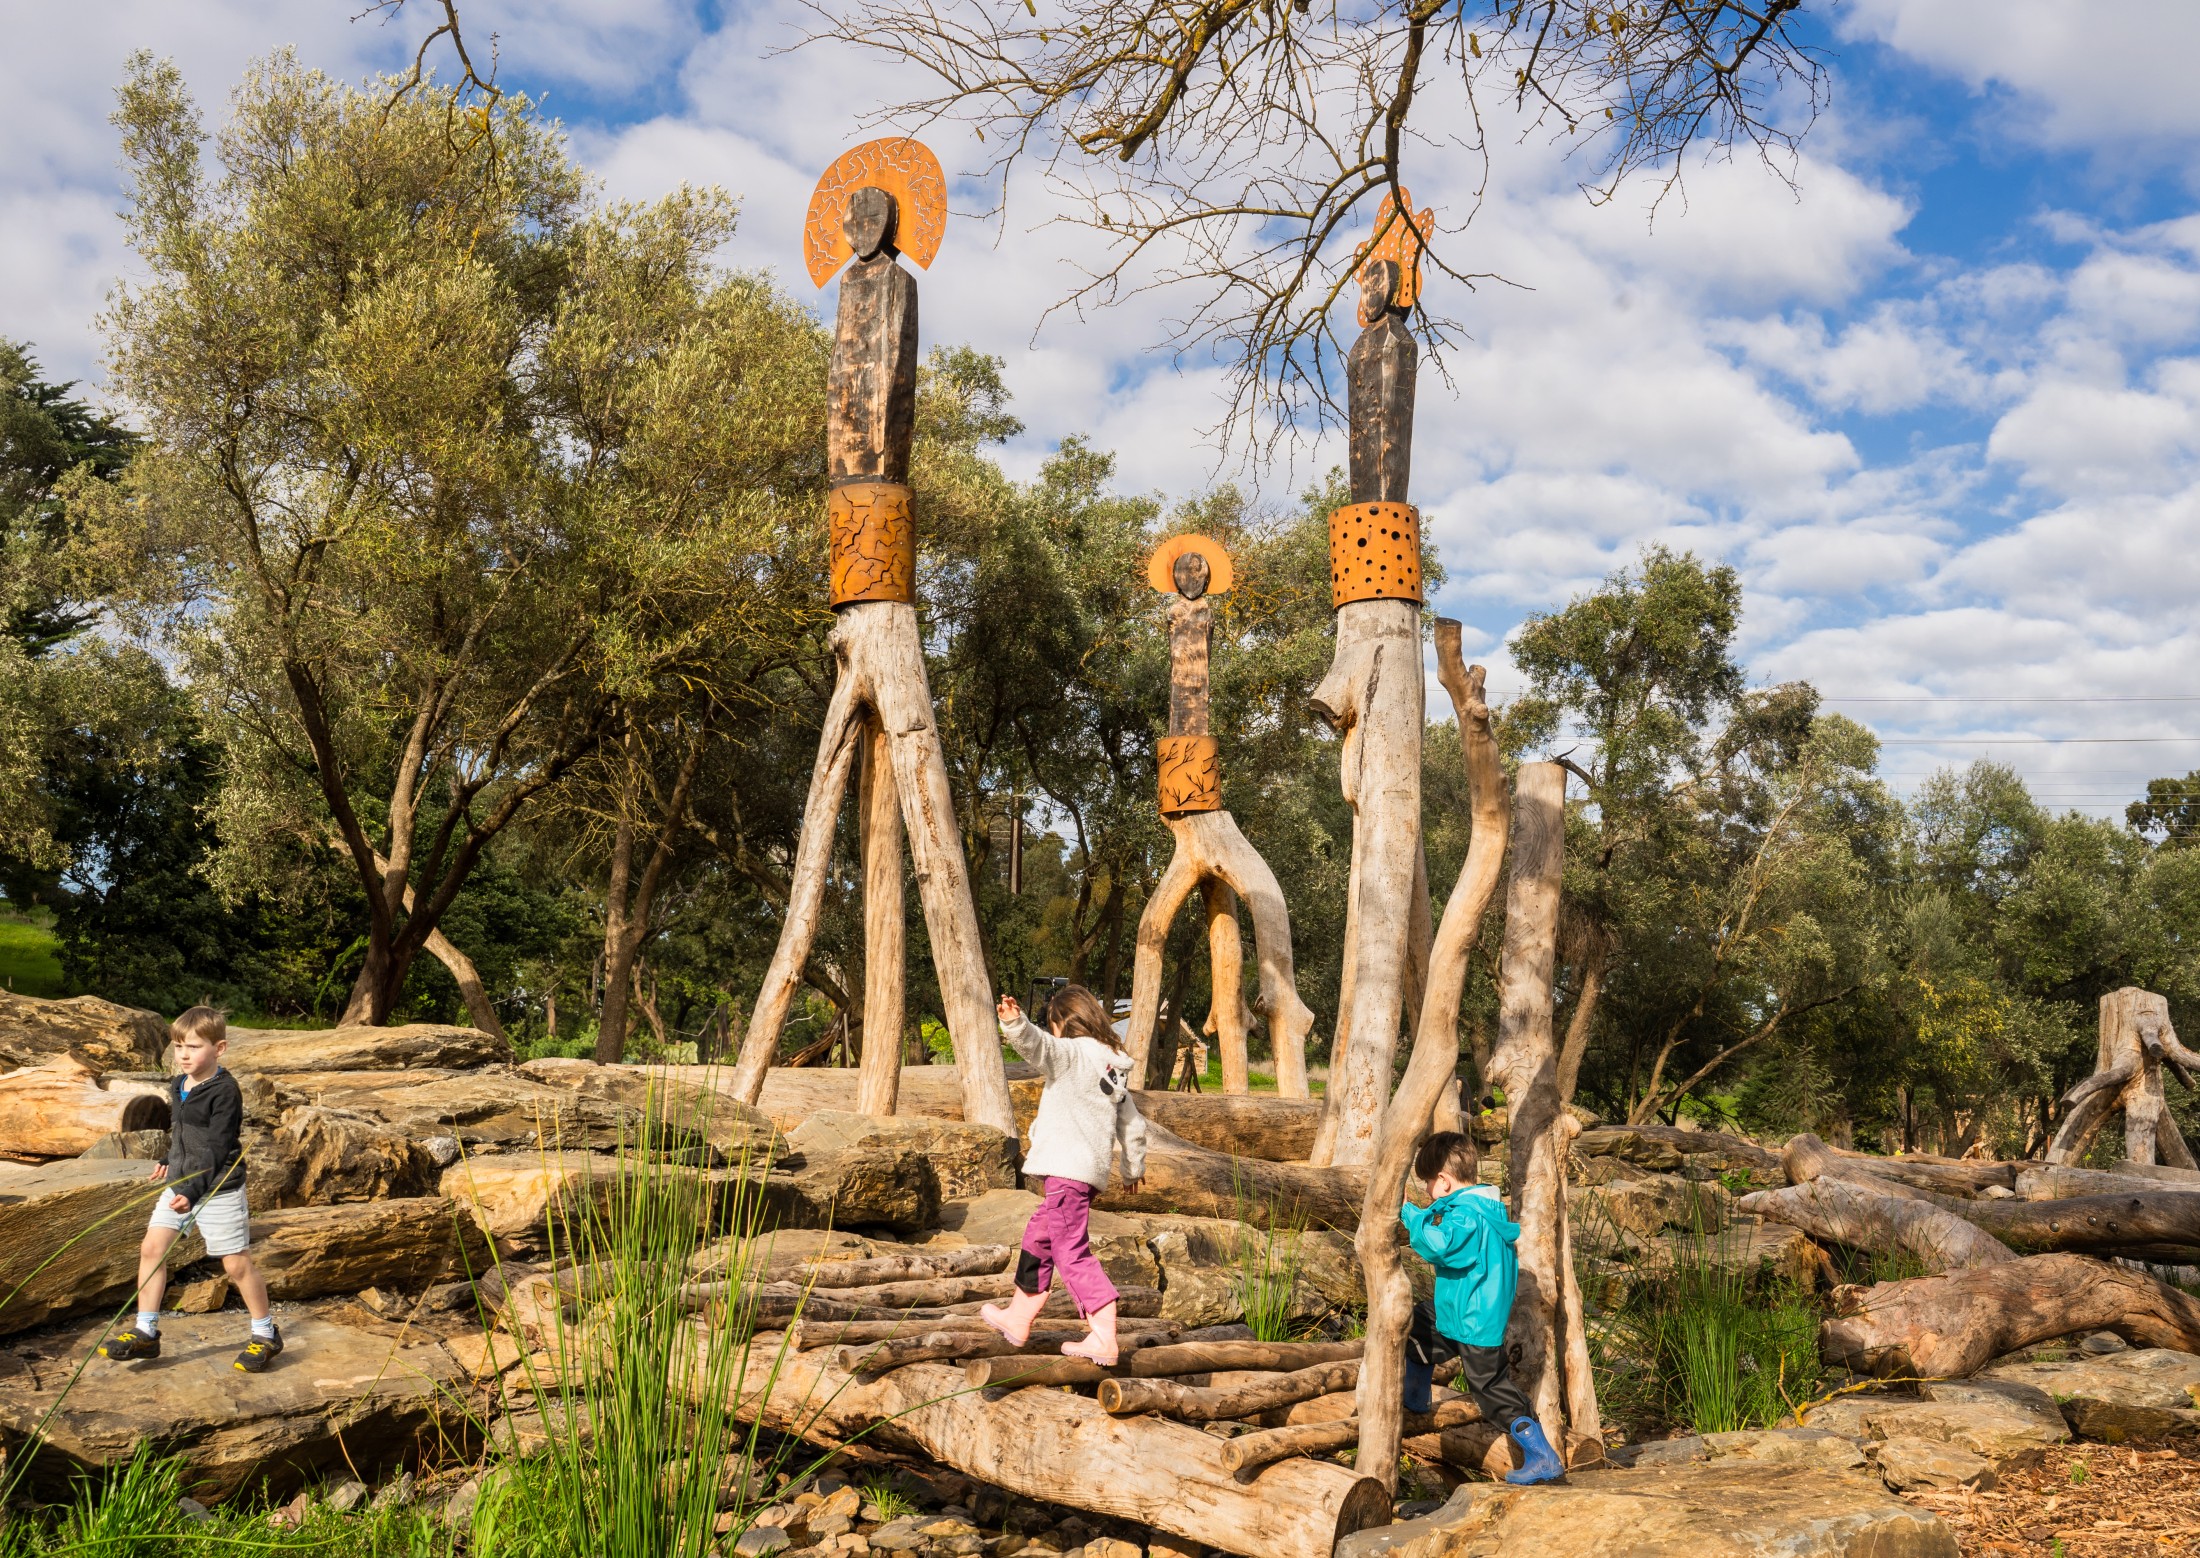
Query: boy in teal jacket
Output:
(1464,1233)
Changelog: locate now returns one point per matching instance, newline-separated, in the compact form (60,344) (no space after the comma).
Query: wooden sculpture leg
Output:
(882,636)
(1168,894)
(884,931)
(1373,693)
(1215,842)
(1226,958)
(836,750)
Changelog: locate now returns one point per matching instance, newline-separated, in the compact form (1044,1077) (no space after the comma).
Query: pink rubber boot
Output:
(1099,1346)
(1013,1320)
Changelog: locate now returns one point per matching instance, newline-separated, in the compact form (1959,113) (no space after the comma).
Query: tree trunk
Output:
(62,1107)
(1226,969)
(1183,1178)
(626,925)
(881,663)
(1374,696)
(1525,1065)
(1845,1211)
(1209,847)
(1951,1326)
(1252,1125)
(480,1010)
(1213,1404)
(885,931)
(1248,1453)
(1429,1069)
(1579,1025)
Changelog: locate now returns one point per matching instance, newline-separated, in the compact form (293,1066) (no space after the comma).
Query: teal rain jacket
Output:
(1468,1238)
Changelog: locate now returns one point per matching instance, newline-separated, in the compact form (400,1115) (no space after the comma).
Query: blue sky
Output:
(1939,402)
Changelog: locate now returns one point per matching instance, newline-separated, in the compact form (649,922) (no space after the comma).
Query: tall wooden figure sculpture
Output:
(1373,695)
(882,199)
(1211,854)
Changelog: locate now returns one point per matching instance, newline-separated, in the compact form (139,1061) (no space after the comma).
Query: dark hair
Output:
(1074,1009)
(1448,1152)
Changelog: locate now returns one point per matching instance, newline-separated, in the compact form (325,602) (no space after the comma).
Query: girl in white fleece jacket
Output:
(1084,1112)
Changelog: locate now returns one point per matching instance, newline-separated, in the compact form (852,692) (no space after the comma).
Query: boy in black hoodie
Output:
(205,1176)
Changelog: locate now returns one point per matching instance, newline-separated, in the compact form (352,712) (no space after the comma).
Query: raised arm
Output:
(1030,1040)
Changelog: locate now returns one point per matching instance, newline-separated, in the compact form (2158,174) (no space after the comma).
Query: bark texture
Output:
(1844,1211)
(2136,1043)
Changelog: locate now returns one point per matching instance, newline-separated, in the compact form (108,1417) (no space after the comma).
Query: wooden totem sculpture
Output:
(1211,854)
(881,200)
(1374,697)
(2137,1041)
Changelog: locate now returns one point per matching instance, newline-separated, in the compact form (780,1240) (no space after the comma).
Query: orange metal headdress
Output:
(1401,238)
(905,169)
(1160,568)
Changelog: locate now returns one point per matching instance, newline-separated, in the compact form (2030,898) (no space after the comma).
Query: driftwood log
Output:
(2136,1044)
(775,1304)
(2158,1225)
(2055,1181)
(974,1260)
(1950,1326)
(960,1346)
(60,1108)
(1217,1403)
(1429,1069)
(1251,1125)
(1205,1357)
(1547,1324)
(1847,1211)
(1248,1453)
(1183,1178)
(1061,1448)
(810,1333)
(880,686)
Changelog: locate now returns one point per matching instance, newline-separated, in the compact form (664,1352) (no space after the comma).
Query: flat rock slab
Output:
(1727,1508)
(1928,1463)
(339,1400)
(360,1048)
(969,1159)
(69,1235)
(2140,1377)
(493,1106)
(102,1035)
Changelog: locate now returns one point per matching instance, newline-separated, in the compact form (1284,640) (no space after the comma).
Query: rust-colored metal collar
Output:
(874,542)
(1374,553)
(1191,775)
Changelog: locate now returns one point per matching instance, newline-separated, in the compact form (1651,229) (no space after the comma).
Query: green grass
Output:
(30,962)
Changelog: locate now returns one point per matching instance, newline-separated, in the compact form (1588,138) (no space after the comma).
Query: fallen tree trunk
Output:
(2056,1181)
(1248,1453)
(1950,1326)
(1061,1448)
(1205,1357)
(774,1304)
(2153,1222)
(1848,1212)
(1620,1140)
(977,1260)
(812,1332)
(1211,1404)
(1947,1176)
(1247,1125)
(1183,1178)
(958,1346)
(60,1108)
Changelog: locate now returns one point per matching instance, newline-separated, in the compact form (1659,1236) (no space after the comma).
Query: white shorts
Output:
(223,1220)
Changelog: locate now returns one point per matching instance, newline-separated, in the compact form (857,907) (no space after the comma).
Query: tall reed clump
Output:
(1708,1342)
(1268,1265)
(638,1368)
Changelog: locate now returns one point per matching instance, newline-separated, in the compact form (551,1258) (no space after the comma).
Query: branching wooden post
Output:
(1524,1062)
(1428,1070)
(2137,1041)
(1373,696)
(882,199)
(1211,854)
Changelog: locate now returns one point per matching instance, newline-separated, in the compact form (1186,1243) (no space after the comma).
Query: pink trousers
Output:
(1056,1239)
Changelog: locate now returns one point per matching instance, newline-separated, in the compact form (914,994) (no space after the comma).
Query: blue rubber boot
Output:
(1419,1377)
(1538,1461)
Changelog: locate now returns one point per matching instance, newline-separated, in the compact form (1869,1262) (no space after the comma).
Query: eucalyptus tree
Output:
(451,468)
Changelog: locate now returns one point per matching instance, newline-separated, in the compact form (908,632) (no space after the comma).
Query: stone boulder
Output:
(1786,1447)
(317,1157)
(137,1146)
(969,1159)
(69,1233)
(523,1198)
(412,1047)
(2141,1393)
(741,1133)
(493,1107)
(792,1094)
(100,1034)
(1728,1508)
(2010,1427)
(338,1400)
(1206,1263)
(1646,1205)
(312,1251)
(872,1182)
(1906,1463)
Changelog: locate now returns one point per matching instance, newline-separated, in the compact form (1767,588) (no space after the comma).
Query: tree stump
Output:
(2137,1041)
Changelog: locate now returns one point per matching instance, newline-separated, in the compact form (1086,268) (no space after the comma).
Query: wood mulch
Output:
(2096,1500)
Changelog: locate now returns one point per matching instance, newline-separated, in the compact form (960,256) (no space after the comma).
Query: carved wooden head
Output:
(1400,236)
(1190,566)
(869,224)
(1189,573)
(1378,289)
(905,171)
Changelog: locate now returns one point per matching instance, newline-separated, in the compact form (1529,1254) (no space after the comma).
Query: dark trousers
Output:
(1485,1372)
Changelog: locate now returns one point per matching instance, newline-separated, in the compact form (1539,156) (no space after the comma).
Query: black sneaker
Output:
(260,1352)
(131,1345)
